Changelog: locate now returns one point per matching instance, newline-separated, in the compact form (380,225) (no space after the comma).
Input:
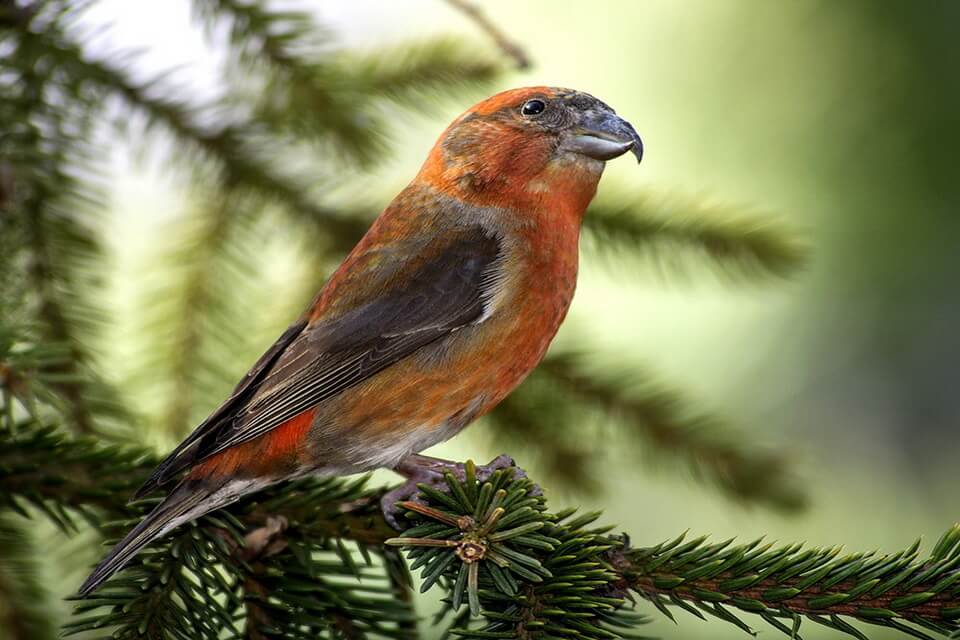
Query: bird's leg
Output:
(419,469)
(415,474)
(417,462)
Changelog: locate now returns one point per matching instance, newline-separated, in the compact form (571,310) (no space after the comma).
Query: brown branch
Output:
(8,186)
(508,46)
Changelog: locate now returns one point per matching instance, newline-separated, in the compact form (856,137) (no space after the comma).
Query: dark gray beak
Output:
(603,135)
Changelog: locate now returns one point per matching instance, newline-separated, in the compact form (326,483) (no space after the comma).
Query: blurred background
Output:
(816,139)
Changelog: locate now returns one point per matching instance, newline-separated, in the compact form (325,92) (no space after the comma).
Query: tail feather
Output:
(188,501)
(177,461)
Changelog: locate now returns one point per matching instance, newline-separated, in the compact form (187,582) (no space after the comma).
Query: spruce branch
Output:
(338,103)
(528,573)
(21,386)
(88,478)
(227,145)
(552,406)
(559,425)
(191,331)
(661,418)
(286,72)
(275,565)
(206,576)
(172,590)
(90,475)
(282,39)
(279,561)
(900,590)
(239,148)
(414,74)
(50,208)
(668,230)
(24,602)
(71,379)
(308,90)
(507,45)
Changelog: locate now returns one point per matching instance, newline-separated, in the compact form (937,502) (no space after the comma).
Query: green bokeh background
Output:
(842,118)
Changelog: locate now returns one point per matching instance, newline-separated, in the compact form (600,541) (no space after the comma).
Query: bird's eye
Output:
(533,107)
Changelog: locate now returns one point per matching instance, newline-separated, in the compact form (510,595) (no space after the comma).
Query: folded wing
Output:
(447,285)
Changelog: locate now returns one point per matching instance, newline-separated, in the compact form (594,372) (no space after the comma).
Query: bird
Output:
(445,305)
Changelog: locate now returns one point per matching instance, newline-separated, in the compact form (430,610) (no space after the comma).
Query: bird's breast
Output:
(541,289)
(444,386)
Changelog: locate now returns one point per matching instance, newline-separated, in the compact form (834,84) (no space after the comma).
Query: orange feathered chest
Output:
(542,288)
(433,394)
(538,220)
(436,391)
(448,385)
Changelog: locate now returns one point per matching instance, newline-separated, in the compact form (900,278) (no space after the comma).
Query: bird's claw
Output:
(425,470)
(408,491)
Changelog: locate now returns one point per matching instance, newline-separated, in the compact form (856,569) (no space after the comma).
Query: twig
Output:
(7,185)
(508,46)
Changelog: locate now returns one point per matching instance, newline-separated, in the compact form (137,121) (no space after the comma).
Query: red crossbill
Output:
(442,309)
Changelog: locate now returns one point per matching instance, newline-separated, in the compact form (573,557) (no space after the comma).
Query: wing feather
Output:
(448,290)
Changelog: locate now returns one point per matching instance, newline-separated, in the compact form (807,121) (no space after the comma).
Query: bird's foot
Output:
(418,469)
(266,540)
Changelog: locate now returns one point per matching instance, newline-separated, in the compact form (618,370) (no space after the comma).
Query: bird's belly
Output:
(432,395)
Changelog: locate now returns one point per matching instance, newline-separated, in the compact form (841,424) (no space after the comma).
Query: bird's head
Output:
(524,145)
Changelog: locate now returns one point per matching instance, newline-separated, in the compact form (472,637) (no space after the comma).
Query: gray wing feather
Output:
(310,364)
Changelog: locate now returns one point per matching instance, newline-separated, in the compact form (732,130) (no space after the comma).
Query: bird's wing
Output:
(413,301)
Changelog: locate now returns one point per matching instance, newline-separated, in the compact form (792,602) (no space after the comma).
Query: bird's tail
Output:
(188,501)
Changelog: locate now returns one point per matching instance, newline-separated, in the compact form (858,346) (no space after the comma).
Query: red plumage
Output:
(441,310)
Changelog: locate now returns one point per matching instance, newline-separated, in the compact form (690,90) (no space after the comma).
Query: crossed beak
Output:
(603,135)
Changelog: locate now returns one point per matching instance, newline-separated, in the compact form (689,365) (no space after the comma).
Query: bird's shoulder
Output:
(420,241)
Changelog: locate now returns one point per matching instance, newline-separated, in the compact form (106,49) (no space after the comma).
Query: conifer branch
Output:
(311,91)
(554,403)
(280,38)
(493,545)
(508,46)
(88,479)
(290,78)
(49,206)
(298,104)
(900,590)
(205,264)
(670,230)
(419,73)
(535,413)
(498,550)
(71,382)
(24,602)
(662,419)
(227,145)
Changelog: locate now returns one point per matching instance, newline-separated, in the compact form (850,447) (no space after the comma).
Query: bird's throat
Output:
(566,185)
